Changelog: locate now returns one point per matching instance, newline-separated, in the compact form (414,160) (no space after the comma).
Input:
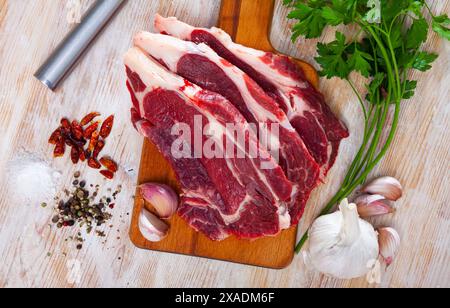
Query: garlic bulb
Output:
(389,240)
(161,197)
(373,205)
(386,186)
(151,227)
(342,245)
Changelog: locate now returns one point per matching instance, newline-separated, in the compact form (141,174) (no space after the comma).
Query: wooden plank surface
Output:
(420,158)
(249,22)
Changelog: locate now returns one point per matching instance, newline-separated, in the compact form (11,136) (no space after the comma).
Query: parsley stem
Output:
(361,102)
(353,172)
(385,148)
(376,139)
(357,175)
(345,192)
(368,131)
(429,9)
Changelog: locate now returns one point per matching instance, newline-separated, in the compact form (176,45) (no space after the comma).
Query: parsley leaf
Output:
(374,87)
(359,61)
(423,61)
(406,59)
(311,23)
(415,7)
(410,89)
(338,12)
(333,17)
(301,11)
(392,8)
(440,26)
(417,34)
(442,19)
(333,58)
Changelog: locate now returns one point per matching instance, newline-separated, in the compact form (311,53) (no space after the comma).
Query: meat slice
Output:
(225,196)
(280,78)
(201,65)
(200,198)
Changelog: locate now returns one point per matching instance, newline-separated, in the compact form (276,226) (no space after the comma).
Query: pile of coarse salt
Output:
(32,180)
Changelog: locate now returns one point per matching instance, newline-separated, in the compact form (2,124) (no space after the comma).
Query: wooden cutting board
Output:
(248,22)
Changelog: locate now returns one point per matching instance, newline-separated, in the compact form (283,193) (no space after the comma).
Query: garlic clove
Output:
(387,186)
(373,205)
(389,241)
(151,227)
(162,197)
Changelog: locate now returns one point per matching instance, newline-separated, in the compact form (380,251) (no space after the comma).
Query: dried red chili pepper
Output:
(109,164)
(77,130)
(72,141)
(93,163)
(107,174)
(60,149)
(65,123)
(81,143)
(91,129)
(55,137)
(87,119)
(69,142)
(98,148)
(93,142)
(88,154)
(75,155)
(107,126)
(73,135)
(82,155)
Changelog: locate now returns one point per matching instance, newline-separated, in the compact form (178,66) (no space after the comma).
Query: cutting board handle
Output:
(248,21)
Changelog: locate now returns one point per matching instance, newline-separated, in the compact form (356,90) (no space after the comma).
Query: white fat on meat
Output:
(170,50)
(152,74)
(173,26)
(251,56)
(183,31)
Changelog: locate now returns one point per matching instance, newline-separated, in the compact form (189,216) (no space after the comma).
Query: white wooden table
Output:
(34,255)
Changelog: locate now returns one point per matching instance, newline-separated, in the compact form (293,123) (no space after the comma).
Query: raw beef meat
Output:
(221,196)
(201,65)
(282,79)
(200,199)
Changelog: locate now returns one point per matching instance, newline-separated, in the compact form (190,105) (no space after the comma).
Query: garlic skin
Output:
(162,197)
(151,227)
(389,241)
(341,244)
(386,186)
(373,205)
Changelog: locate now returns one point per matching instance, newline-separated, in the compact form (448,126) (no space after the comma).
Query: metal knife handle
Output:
(72,47)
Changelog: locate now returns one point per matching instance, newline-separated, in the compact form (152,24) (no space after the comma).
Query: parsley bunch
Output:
(393,32)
